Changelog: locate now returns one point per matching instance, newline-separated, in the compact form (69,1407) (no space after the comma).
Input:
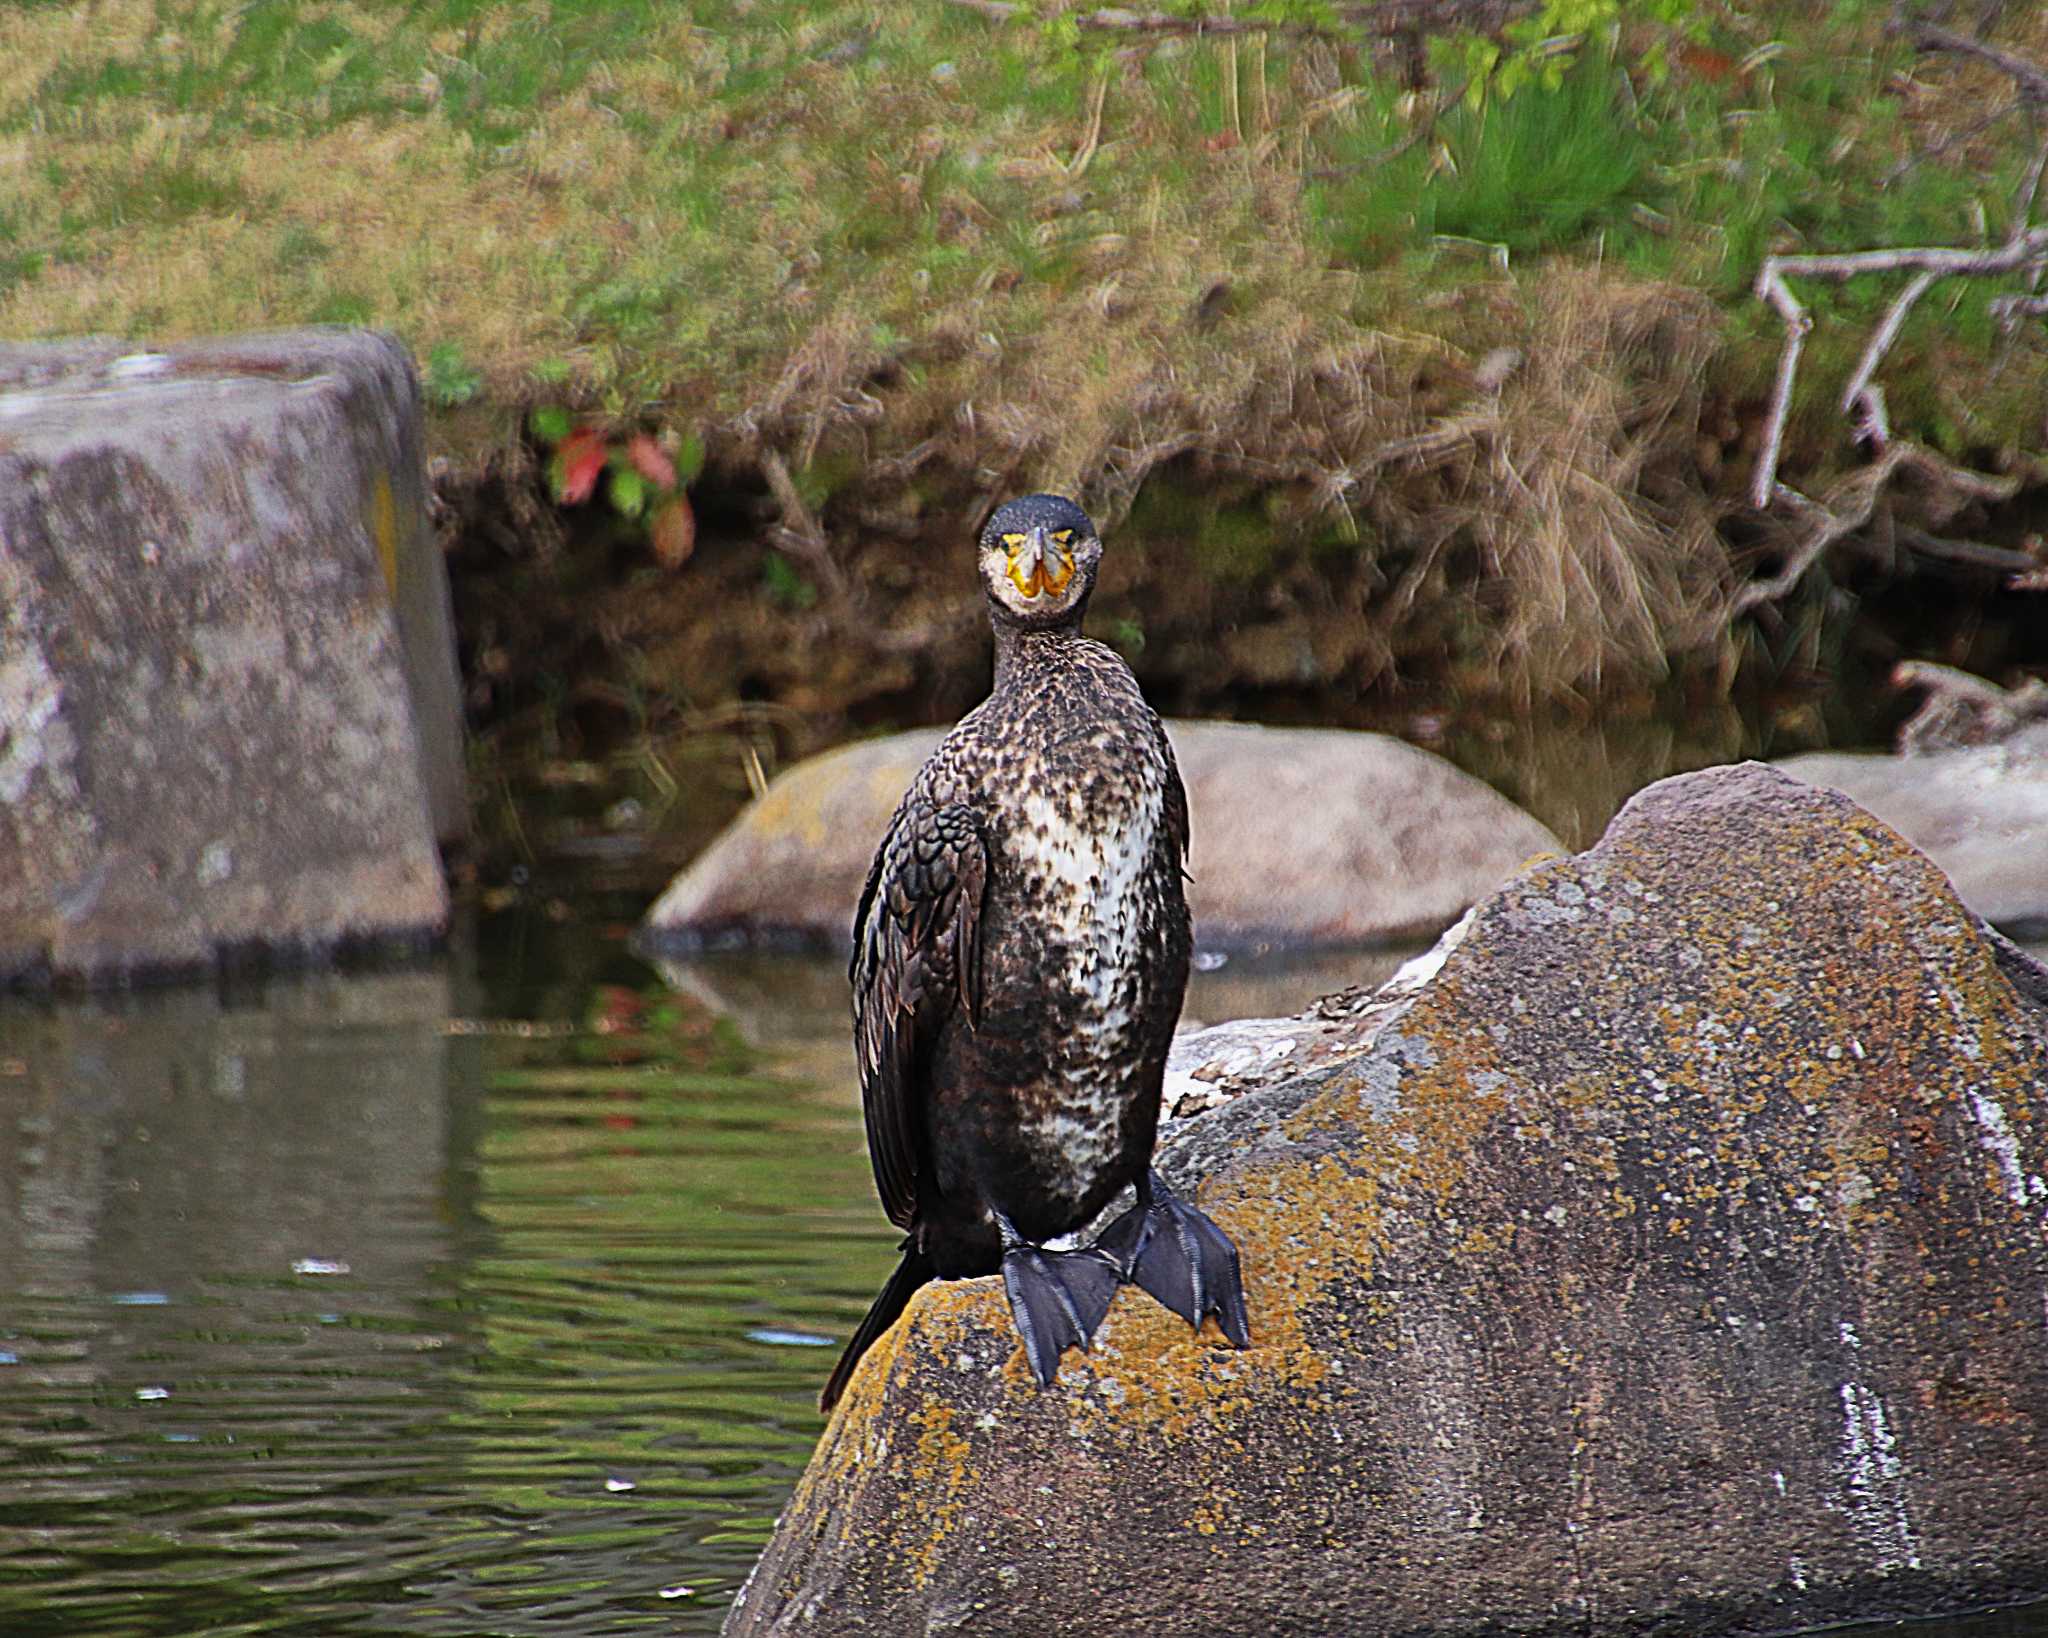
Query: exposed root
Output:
(1961,709)
(1849,505)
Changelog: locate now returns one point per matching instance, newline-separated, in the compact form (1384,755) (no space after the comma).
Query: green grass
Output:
(660,191)
(766,219)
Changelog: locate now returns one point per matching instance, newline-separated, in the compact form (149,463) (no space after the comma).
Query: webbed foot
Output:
(1057,1298)
(1172,1251)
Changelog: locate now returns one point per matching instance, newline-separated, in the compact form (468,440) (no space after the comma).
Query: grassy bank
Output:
(883,260)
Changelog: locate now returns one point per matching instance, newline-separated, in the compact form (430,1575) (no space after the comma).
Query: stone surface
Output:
(228,706)
(1301,837)
(1675,1261)
(1978,811)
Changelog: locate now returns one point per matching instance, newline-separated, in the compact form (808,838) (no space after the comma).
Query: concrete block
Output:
(229,713)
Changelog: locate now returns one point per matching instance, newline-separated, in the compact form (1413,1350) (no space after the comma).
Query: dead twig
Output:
(2025,250)
(800,534)
(1849,505)
(1970,554)
(2027,247)
(1961,709)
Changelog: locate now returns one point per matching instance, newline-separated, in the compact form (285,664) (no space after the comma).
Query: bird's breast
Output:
(1085,925)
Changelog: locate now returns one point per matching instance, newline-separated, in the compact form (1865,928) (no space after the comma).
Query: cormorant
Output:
(1020,954)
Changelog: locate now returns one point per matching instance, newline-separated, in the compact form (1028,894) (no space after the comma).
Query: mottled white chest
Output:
(1089,863)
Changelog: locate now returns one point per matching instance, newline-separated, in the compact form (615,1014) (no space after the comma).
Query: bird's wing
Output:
(916,957)
(1176,803)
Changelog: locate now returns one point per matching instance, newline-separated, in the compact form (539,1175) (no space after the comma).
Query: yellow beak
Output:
(1039,565)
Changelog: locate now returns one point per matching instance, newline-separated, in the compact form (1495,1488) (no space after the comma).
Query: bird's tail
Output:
(915,1270)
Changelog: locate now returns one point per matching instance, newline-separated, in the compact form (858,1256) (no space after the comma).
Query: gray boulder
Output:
(1978,811)
(229,715)
(1302,837)
(1673,1261)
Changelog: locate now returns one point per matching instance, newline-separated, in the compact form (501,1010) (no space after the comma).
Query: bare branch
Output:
(2026,247)
(1973,554)
(1826,526)
(1771,286)
(1961,709)
(2009,310)
(1859,390)
(1849,505)
(2031,78)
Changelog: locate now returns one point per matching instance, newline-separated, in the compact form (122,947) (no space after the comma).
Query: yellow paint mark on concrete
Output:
(384,530)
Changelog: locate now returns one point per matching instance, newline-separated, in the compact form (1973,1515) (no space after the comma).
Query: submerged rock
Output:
(1979,811)
(1677,1257)
(1302,837)
(229,714)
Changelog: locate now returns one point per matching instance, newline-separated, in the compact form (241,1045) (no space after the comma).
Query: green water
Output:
(340,1306)
(487,1297)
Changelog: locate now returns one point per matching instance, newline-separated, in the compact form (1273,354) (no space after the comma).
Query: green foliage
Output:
(1542,170)
(342,307)
(689,458)
(1540,48)
(628,492)
(550,423)
(784,585)
(448,380)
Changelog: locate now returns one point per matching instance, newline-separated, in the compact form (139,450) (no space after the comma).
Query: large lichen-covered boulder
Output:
(1675,1261)
(1303,837)
(1978,811)
(229,716)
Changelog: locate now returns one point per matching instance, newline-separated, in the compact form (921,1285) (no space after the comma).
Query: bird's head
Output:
(1038,559)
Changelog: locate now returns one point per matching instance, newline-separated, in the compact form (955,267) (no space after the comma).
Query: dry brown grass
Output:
(1595,568)
(1560,498)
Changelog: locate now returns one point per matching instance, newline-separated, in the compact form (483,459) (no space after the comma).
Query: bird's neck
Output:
(1021,652)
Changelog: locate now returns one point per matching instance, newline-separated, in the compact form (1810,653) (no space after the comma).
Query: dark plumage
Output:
(1020,954)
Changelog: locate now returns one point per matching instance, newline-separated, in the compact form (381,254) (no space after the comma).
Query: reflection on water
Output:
(326,1308)
(315,1316)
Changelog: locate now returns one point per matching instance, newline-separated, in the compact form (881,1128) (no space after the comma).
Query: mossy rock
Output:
(1675,1260)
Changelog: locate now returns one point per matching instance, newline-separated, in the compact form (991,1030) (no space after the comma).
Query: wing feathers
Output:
(917,955)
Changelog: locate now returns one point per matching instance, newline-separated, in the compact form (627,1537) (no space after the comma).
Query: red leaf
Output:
(649,461)
(580,458)
(674,533)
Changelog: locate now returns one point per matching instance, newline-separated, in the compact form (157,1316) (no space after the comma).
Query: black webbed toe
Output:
(1186,1262)
(1058,1299)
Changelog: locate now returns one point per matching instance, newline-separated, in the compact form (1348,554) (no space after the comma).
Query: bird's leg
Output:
(1124,1241)
(1172,1250)
(1057,1298)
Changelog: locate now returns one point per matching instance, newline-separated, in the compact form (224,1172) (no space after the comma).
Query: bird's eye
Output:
(1013,543)
(1063,535)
